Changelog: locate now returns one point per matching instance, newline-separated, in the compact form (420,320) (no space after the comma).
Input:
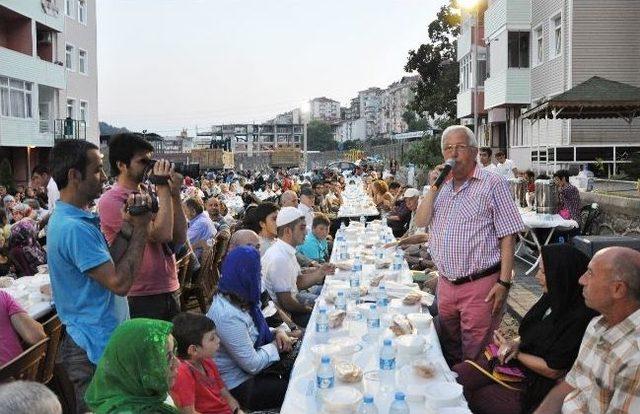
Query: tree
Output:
(436,63)
(320,136)
(106,129)
(414,123)
(632,169)
(425,153)
(6,176)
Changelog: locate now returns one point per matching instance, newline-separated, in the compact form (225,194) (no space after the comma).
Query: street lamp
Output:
(474,5)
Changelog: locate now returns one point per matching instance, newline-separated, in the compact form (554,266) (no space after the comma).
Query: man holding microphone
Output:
(472,222)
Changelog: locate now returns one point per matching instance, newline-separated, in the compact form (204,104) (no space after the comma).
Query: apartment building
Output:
(253,138)
(472,60)
(324,109)
(370,101)
(539,49)
(393,105)
(48,78)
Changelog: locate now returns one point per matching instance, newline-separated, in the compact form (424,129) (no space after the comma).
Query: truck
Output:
(215,158)
(286,157)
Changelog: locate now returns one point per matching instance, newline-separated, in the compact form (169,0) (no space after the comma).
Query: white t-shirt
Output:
(308,215)
(53,194)
(491,167)
(505,169)
(280,269)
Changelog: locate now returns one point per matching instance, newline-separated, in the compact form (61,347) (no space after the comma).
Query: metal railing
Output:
(70,129)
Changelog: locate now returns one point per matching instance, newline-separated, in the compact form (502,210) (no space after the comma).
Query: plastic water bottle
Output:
(322,325)
(387,363)
(325,378)
(357,265)
(363,220)
(373,321)
(344,253)
(382,299)
(368,406)
(379,252)
(397,261)
(399,405)
(354,283)
(341,301)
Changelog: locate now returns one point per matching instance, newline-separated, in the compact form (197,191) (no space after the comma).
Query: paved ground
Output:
(524,292)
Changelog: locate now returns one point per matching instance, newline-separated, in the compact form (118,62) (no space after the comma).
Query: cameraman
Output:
(155,292)
(89,288)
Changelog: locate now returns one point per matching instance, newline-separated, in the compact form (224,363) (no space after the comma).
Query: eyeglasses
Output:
(459,147)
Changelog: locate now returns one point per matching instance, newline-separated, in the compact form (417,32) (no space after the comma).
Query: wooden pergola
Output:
(592,99)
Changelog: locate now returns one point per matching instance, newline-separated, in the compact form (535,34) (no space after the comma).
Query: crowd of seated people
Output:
(130,348)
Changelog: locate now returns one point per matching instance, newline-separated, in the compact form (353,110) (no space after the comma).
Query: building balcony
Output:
(515,14)
(47,12)
(465,103)
(70,129)
(508,87)
(31,69)
(464,41)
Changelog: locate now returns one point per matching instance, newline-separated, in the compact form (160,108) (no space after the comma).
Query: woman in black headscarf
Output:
(550,336)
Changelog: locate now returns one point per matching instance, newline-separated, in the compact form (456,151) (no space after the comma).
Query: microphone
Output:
(448,165)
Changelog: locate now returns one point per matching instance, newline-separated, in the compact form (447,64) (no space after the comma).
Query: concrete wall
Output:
(620,215)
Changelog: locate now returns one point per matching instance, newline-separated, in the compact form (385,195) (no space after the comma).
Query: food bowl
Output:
(319,350)
(342,400)
(421,321)
(411,344)
(443,394)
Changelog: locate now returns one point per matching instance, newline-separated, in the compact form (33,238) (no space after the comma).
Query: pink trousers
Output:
(465,324)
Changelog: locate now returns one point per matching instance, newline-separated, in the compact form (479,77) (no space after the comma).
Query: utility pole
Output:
(305,155)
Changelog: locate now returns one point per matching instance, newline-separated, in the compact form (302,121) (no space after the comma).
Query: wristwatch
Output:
(505,284)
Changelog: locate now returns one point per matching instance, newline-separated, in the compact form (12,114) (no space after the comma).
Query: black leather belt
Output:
(478,275)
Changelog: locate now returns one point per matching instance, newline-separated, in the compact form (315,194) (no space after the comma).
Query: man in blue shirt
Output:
(315,246)
(201,227)
(88,288)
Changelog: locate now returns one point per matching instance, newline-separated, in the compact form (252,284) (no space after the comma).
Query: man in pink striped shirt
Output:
(472,223)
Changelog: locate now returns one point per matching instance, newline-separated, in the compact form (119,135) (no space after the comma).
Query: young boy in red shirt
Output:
(198,388)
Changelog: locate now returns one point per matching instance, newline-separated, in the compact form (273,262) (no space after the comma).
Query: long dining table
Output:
(26,291)
(362,348)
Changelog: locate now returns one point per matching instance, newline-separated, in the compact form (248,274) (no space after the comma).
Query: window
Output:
(82,11)
(518,49)
(465,73)
(68,8)
(70,51)
(83,111)
(82,61)
(481,69)
(555,36)
(16,98)
(71,108)
(538,46)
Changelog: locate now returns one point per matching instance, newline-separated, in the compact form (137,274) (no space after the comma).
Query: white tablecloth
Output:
(26,290)
(301,394)
(356,202)
(532,219)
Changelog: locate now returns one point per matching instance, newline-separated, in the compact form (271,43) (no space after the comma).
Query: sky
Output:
(164,65)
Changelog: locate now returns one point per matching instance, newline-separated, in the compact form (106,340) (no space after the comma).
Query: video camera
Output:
(192,170)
